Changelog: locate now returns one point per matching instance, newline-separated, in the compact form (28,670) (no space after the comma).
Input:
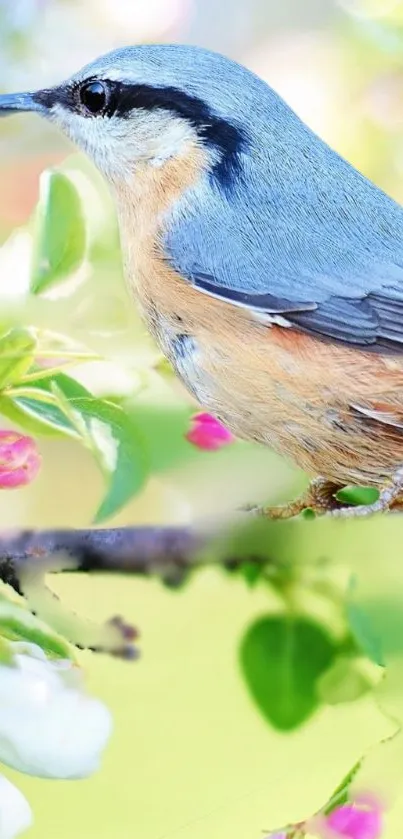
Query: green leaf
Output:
(18,624)
(14,629)
(59,232)
(16,355)
(30,419)
(344,681)
(364,633)
(308,513)
(282,658)
(340,795)
(357,495)
(252,572)
(35,408)
(65,406)
(377,625)
(70,388)
(119,448)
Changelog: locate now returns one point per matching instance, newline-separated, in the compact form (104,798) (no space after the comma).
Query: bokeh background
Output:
(191,757)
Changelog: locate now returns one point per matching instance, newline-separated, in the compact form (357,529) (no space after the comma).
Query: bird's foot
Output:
(319,497)
(390,497)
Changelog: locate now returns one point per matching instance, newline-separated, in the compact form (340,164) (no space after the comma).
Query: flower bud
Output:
(361,819)
(208,433)
(353,821)
(20,460)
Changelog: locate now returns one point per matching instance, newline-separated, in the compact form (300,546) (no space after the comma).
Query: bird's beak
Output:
(13,103)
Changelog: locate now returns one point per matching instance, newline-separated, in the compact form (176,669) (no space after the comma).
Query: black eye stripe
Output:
(122,98)
(216,132)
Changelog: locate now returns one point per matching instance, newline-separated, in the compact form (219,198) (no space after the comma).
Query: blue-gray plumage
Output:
(272,223)
(300,224)
(293,223)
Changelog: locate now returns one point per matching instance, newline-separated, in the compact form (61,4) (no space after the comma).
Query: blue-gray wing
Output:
(325,252)
(373,319)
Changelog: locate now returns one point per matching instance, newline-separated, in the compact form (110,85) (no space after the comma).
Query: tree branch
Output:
(27,556)
(167,551)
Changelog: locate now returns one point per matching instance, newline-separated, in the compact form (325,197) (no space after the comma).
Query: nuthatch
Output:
(269,270)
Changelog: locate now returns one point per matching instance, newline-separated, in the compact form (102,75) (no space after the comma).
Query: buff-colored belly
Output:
(298,395)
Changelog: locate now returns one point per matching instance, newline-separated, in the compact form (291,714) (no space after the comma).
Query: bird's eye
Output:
(94,97)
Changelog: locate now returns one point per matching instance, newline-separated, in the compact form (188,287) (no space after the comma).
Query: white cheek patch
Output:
(116,144)
(171,141)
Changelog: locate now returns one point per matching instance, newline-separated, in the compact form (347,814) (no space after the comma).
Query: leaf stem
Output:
(82,356)
(45,374)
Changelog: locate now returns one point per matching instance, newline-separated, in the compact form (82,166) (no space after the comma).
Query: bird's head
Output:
(148,104)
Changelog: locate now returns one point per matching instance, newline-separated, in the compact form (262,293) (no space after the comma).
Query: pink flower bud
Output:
(19,460)
(208,433)
(354,821)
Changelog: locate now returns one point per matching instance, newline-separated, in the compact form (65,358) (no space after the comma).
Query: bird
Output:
(268,269)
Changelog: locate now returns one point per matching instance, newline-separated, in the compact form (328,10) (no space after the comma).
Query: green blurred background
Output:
(191,757)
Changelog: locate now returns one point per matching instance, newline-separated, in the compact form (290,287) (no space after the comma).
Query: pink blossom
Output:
(355,820)
(20,460)
(208,433)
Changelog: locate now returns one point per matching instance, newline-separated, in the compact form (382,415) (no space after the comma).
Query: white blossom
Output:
(15,812)
(49,726)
